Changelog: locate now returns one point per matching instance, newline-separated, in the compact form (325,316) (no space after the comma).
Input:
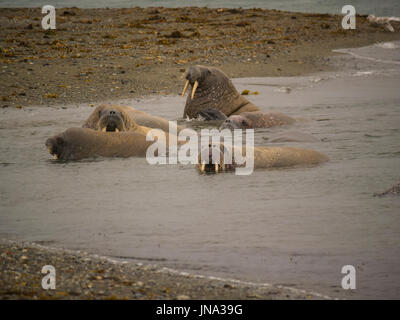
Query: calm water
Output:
(377,7)
(296,227)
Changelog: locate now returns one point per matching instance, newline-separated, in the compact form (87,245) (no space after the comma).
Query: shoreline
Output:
(109,54)
(84,276)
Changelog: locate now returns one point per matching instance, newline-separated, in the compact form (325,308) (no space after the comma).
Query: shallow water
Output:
(296,227)
(377,7)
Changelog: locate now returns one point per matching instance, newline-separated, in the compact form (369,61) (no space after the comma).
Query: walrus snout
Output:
(194,76)
(55,146)
(111,121)
(235,122)
(227,124)
(215,159)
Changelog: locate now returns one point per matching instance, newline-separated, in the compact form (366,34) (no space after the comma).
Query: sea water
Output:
(295,227)
(377,7)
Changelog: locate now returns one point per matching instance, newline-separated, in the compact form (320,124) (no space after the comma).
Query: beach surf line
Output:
(160,269)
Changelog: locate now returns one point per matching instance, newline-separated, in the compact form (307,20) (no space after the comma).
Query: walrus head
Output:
(211,88)
(58,146)
(110,119)
(72,144)
(236,122)
(55,145)
(215,153)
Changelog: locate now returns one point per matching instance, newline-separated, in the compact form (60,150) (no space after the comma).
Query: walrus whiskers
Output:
(185,88)
(196,84)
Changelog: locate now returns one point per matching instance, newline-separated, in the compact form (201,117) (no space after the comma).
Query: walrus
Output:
(211,88)
(264,158)
(256,119)
(121,118)
(395,190)
(81,143)
(247,120)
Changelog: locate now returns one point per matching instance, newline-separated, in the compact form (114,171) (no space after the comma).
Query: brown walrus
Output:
(122,118)
(264,158)
(211,88)
(257,119)
(81,143)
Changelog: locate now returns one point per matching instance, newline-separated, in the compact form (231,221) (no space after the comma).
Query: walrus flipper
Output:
(209,114)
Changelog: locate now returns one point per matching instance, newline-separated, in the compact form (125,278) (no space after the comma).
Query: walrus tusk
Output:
(203,166)
(216,168)
(104,129)
(185,88)
(196,84)
(116,130)
(55,157)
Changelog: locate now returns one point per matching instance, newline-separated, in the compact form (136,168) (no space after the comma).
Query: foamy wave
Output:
(387,45)
(376,57)
(364,73)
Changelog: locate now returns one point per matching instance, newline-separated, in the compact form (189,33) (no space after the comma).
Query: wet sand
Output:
(105,54)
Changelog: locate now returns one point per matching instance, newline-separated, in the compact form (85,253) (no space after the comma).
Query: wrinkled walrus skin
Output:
(211,88)
(131,118)
(81,143)
(265,158)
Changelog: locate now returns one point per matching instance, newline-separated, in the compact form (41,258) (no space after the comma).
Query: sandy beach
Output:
(104,54)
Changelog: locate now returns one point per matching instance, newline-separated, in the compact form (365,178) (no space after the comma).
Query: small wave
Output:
(364,73)
(387,45)
(283,89)
(316,80)
(6,164)
(358,56)
(371,136)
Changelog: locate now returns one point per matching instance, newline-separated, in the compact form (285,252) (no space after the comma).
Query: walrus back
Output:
(261,119)
(147,120)
(276,157)
(87,143)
